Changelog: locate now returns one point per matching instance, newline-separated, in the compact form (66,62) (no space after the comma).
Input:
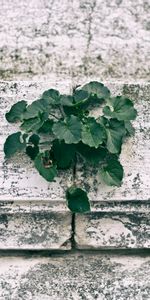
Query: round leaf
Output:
(63,154)
(52,96)
(16,111)
(92,155)
(77,200)
(112,173)
(44,166)
(68,130)
(93,134)
(120,108)
(96,88)
(14,143)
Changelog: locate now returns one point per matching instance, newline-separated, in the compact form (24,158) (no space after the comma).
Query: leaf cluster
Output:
(66,126)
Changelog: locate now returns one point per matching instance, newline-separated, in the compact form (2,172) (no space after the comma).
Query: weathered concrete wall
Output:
(33,212)
(50,38)
(82,276)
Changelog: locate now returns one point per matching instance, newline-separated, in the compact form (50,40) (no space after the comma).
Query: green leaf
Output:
(63,154)
(52,96)
(36,108)
(120,108)
(93,134)
(90,154)
(129,128)
(46,127)
(31,124)
(68,130)
(80,97)
(96,88)
(66,100)
(34,139)
(16,111)
(14,143)
(43,164)
(77,200)
(34,124)
(115,131)
(32,151)
(112,173)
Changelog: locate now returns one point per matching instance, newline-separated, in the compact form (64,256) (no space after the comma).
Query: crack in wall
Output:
(89,33)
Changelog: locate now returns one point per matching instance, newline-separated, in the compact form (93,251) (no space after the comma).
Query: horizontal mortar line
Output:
(80,252)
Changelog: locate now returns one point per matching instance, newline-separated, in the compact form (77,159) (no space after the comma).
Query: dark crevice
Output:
(48,253)
(73,243)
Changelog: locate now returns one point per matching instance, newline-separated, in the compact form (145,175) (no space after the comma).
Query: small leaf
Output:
(68,130)
(93,134)
(34,124)
(36,108)
(96,88)
(34,139)
(63,154)
(129,128)
(115,132)
(32,151)
(77,200)
(120,108)
(52,96)
(45,167)
(31,124)
(14,143)
(112,173)
(16,111)
(92,155)
(46,127)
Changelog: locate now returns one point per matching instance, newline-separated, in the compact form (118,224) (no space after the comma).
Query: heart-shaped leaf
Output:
(95,88)
(14,143)
(68,130)
(16,111)
(90,154)
(112,173)
(77,200)
(120,108)
(63,154)
(93,133)
(43,164)
(52,96)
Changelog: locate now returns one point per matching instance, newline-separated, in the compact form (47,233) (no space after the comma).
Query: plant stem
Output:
(62,111)
(75,169)
(53,116)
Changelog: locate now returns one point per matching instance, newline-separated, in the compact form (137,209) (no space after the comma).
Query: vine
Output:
(58,130)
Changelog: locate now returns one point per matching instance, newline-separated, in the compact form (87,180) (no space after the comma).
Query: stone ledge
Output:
(35,226)
(114,225)
(75,277)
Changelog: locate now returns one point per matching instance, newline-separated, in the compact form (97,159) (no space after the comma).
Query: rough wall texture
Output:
(75,277)
(19,180)
(52,38)
(37,217)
